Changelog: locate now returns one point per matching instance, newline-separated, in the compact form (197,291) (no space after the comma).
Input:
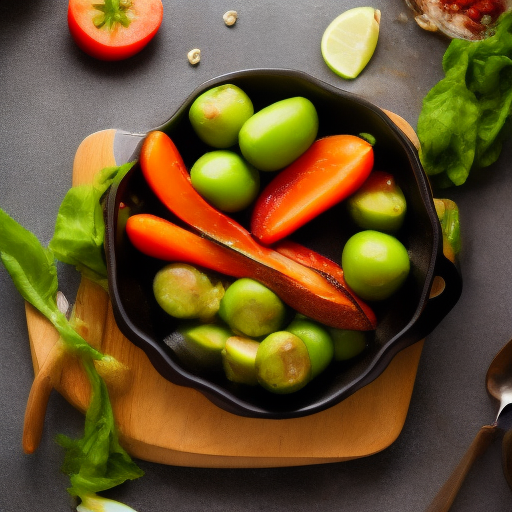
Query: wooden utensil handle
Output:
(507,457)
(446,496)
(38,398)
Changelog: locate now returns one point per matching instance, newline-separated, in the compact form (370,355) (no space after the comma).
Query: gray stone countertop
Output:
(53,96)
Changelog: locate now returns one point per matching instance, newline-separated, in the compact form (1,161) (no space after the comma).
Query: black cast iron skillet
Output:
(402,320)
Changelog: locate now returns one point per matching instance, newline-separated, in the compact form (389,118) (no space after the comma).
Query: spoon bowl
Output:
(499,386)
(499,380)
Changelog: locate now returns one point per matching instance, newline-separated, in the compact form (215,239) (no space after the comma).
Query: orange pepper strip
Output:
(328,172)
(162,239)
(166,174)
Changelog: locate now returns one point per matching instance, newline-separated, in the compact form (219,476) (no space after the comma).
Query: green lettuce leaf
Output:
(30,265)
(468,114)
(34,273)
(97,461)
(80,229)
(448,214)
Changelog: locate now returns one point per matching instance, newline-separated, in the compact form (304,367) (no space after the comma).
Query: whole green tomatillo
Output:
(225,180)
(375,264)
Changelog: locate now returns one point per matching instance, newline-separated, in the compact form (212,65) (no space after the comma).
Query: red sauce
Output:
(476,9)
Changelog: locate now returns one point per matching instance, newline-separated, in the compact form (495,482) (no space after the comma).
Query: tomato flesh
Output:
(118,42)
(476,9)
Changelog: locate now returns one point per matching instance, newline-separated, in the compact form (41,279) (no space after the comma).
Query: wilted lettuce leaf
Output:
(448,214)
(97,461)
(30,265)
(34,273)
(80,229)
(467,115)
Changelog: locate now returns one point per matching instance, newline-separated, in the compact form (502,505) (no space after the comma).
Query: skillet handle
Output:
(445,292)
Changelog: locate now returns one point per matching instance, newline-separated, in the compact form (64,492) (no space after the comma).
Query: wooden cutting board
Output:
(161,422)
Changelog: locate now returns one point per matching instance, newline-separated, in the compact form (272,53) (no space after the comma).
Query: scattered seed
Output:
(194,56)
(62,303)
(402,17)
(230,18)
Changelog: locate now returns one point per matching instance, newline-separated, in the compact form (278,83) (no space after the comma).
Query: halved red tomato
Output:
(114,29)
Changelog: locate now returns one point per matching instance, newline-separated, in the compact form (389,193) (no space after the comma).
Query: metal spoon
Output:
(499,386)
(500,374)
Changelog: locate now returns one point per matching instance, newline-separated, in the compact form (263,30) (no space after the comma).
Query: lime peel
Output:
(350,40)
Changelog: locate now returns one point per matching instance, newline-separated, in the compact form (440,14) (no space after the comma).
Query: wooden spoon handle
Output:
(507,456)
(35,412)
(446,496)
(38,398)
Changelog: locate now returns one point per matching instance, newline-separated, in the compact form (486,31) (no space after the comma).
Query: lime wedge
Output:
(349,41)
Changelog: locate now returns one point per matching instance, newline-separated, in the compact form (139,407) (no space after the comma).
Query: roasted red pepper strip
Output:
(167,175)
(327,267)
(162,239)
(328,172)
